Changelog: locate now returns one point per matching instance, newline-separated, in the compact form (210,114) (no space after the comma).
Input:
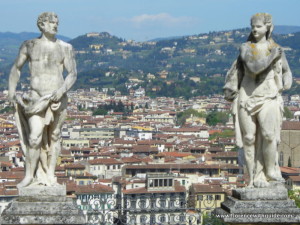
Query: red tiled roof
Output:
(144,190)
(290,170)
(94,188)
(291,125)
(174,154)
(295,178)
(108,161)
(207,188)
(74,166)
(182,166)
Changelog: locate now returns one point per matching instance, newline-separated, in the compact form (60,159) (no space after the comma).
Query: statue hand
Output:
(56,95)
(229,95)
(12,98)
(276,52)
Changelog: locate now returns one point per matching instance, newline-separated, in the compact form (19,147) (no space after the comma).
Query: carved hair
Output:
(267,20)
(45,16)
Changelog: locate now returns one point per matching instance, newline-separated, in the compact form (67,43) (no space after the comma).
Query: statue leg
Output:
(248,128)
(55,145)
(270,119)
(36,127)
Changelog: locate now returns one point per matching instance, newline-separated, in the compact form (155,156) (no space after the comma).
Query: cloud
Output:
(161,19)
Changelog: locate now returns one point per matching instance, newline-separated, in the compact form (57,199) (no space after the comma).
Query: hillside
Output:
(182,66)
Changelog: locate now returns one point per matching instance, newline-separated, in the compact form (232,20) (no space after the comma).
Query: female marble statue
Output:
(254,84)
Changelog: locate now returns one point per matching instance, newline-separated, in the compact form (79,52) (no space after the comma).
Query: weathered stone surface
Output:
(276,191)
(26,212)
(44,106)
(58,190)
(233,205)
(257,101)
(285,217)
(43,205)
(257,206)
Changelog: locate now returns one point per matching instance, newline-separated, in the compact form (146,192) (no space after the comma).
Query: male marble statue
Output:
(254,84)
(41,111)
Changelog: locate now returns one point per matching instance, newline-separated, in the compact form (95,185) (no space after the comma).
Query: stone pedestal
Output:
(42,205)
(269,205)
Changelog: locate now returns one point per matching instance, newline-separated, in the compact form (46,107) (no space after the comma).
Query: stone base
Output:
(259,205)
(42,205)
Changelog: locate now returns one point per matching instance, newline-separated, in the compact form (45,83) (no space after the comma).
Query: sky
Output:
(142,20)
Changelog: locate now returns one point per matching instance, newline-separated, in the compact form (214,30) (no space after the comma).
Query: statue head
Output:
(266,19)
(46,17)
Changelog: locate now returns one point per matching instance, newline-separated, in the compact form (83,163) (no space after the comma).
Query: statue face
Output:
(259,29)
(50,26)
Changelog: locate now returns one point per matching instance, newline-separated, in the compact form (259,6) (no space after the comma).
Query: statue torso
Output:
(255,89)
(46,65)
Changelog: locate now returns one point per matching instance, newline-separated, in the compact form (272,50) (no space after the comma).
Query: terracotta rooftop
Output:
(182,166)
(293,170)
(295,178)
(74,166)
(94,188)
(291,125)
(207,188)
(144,190)
(108,161)
(174,154)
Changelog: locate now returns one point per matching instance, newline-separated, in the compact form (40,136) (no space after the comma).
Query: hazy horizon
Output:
(143,20)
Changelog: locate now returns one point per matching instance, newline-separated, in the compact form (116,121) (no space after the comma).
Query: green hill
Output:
(180,66)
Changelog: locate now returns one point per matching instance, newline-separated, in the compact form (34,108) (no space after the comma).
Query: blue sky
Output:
(142,20)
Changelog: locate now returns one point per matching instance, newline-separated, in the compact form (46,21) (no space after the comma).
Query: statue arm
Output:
(257,66)
(70,66)
(15,72)
(286,73)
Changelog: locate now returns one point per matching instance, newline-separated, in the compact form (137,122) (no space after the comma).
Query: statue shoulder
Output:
(65,45)
(27,46)
(29,43)
(245,46)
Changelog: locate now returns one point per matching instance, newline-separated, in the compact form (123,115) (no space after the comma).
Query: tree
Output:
(289,162)
(100,111)
(294,194)
(216,117)
(287,113)
(212,220)
(182,116)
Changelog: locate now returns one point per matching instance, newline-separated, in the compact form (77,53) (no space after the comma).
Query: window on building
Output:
(209,197)
(155,183)
(163,218)
(151,184)
(133,204)
(153,204)
(281,159)
(143,204)
(152,219)
(182,218)
(160,182)
(172,203)
(143,219)
(218,197)
(165,182)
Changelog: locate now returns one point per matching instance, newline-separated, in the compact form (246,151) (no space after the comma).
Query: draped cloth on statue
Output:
(27,105)
(263,96)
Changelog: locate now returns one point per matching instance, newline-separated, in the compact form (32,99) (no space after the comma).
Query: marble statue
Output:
(254,83)
(40,112)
